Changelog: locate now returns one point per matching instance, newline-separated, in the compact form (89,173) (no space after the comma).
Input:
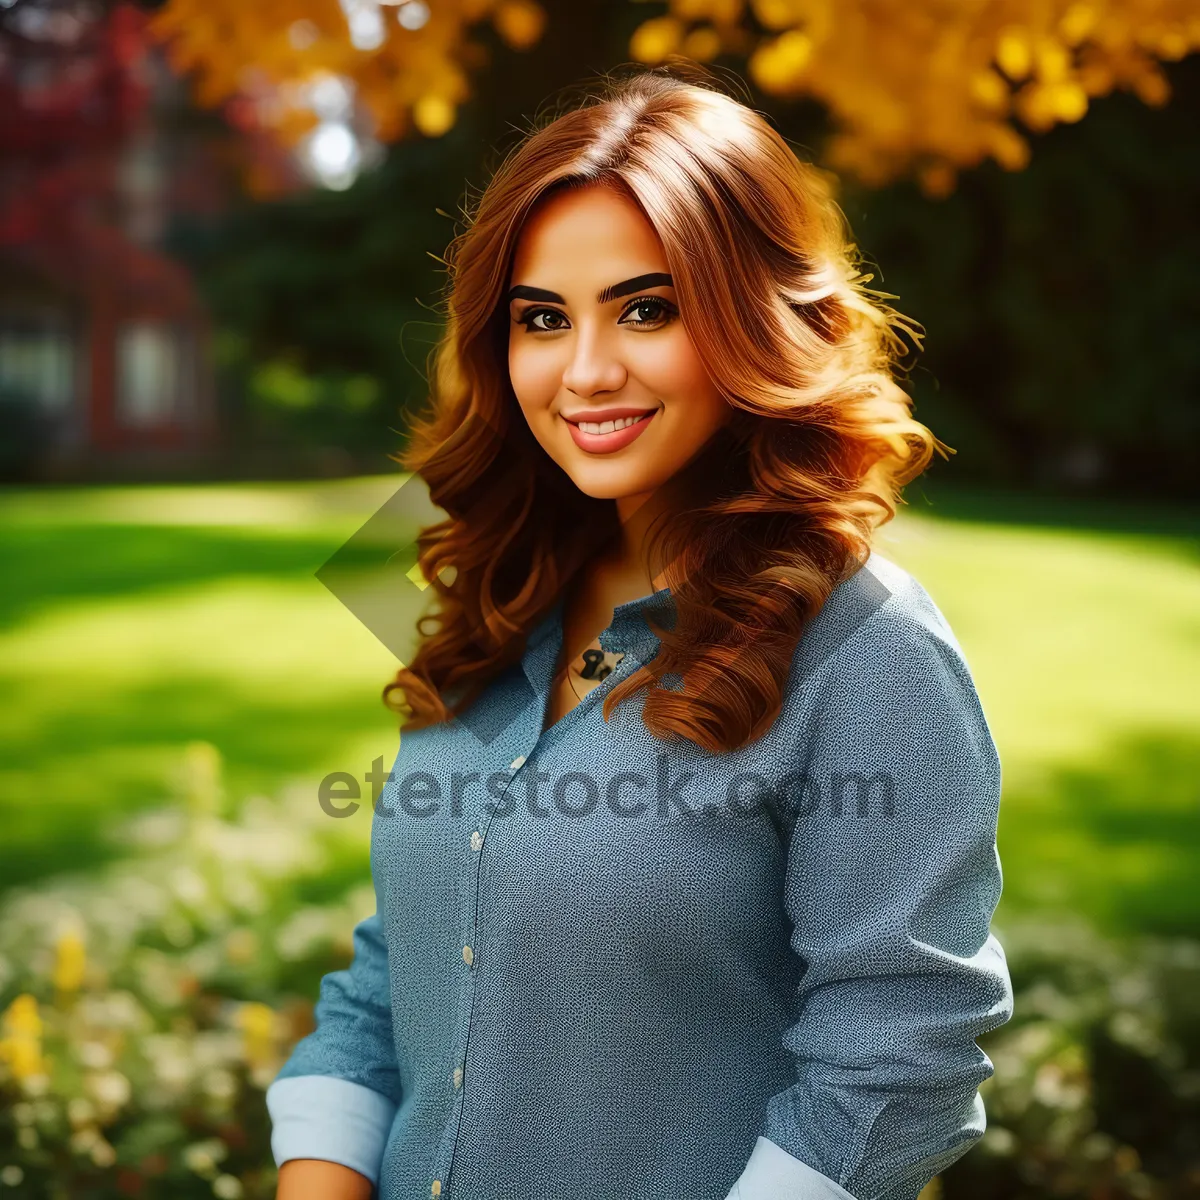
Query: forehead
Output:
(590,233)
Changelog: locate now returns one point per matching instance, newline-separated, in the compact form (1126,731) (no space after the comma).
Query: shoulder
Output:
(881,646)
(880,676)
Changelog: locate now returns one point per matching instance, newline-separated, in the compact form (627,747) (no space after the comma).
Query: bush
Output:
(147,1009)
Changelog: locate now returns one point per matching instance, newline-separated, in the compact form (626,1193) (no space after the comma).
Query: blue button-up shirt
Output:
(605,967)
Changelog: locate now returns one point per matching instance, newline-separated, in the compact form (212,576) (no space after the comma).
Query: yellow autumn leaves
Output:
(925,87)
(263,54)
(913,86)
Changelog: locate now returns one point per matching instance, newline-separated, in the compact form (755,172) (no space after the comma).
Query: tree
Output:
(913,87)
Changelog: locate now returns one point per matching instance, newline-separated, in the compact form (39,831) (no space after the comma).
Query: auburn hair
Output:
(781,505)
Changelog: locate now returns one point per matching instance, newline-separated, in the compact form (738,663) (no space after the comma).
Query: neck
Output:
(631,556)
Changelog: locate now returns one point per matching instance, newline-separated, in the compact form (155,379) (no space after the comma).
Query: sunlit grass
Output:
(1085,647)
(139,619)
(132,628)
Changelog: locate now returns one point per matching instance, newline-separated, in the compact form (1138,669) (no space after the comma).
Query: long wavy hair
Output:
(780,506)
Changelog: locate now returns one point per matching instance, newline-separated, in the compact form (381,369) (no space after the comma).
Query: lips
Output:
(599,415)
(618,439)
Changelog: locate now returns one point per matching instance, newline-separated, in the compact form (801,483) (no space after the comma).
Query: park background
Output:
(220,231)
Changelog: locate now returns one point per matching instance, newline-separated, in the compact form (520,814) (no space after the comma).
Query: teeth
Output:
(610,426)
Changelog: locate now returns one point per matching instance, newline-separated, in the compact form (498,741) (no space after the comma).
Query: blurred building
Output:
(104,365)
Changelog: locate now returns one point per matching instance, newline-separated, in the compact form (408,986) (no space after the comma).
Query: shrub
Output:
(146,1010)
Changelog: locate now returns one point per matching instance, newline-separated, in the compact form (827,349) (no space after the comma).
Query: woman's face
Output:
(595,337)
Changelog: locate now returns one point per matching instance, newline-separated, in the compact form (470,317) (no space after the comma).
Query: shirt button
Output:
(476,840)
(458,1076)
(517,763)
(437,1187)
(468,955)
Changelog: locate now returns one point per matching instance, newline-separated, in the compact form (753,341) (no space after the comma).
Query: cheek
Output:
(672,369)
(535,377)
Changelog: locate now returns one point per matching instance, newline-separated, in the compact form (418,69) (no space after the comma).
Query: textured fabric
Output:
(301,1111)
(773,1174)
(605,967)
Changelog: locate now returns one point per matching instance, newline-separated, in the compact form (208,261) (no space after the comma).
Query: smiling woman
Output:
(661,260)
(599,373)
(664,392)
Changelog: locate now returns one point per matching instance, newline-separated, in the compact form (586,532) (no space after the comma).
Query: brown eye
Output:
(652,310)
(531,316)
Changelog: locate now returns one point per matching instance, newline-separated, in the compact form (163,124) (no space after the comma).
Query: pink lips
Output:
(607,443)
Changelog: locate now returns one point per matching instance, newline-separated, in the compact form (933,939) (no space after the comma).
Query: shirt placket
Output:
(617,638)
(470,864)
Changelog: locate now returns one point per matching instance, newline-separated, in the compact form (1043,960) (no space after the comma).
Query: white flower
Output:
(103,1155)
(220,1085)
(202,1157)
(95,1055)
(110,1088)
(189,886)
(227,1187)
(302,932)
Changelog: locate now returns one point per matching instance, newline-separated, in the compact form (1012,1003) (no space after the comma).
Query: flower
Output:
(70,960)
(21,1043)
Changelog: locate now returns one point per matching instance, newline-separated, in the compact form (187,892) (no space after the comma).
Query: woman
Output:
(686,865)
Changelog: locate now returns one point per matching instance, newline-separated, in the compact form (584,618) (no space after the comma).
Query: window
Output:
(37,360)
(151,374)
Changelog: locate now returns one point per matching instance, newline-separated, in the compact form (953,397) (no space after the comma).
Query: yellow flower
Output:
(21,1043)
(70,961)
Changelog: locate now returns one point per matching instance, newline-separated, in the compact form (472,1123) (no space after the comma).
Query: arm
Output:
(335,1097)
(312,1179)
(891,919)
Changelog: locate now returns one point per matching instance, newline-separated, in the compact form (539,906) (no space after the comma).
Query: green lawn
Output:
(138,619)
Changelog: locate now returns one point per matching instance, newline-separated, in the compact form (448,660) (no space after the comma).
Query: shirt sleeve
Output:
(336,1096)
(891,883)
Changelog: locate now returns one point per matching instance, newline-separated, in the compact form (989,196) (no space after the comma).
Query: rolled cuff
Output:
(774,1174)
(321,1116)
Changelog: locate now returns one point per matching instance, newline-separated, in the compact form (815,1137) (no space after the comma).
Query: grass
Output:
(1081,624)
(139,619)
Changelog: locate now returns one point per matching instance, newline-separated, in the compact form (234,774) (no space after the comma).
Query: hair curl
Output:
(780,511)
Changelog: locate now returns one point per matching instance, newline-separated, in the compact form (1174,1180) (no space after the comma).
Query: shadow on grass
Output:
(90,766)
(996,506)
(48,564)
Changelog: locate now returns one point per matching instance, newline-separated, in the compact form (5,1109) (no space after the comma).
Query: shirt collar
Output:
(629,630)
(626,632)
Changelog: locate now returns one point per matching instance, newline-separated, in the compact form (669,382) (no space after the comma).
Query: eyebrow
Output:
(615,292)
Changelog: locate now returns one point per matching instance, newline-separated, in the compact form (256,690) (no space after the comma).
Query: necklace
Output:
(595,666)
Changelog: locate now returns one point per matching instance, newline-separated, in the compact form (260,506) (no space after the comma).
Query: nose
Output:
(593,368)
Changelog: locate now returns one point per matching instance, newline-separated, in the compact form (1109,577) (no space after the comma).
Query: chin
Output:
(599,487)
